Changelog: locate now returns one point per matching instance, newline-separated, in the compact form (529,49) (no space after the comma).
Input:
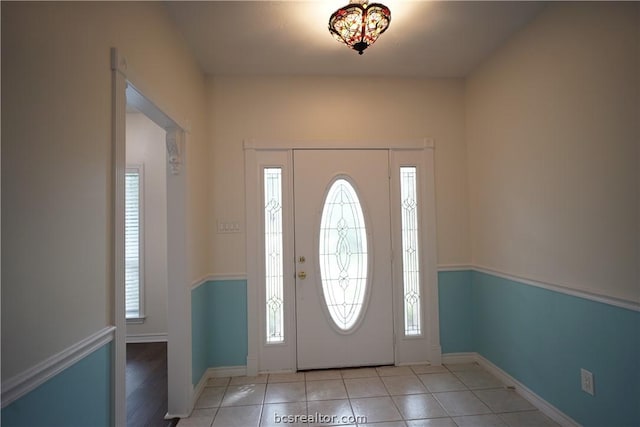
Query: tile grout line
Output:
(377,375)
(346,390)
(306,396)
(393,401)
(264,398)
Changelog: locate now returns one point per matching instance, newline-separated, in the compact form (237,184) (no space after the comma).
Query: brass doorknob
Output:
(302,275)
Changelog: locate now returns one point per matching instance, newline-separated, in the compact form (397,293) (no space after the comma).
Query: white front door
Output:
(344,308)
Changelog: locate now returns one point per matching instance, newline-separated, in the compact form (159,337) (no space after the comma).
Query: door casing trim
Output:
(262,357)
(126,84)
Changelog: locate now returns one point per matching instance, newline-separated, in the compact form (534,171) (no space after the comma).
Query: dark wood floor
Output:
(147,385)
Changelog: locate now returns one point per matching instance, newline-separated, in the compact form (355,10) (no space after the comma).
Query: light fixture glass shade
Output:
(358,25)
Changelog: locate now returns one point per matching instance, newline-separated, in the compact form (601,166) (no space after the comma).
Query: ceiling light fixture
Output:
(359,24)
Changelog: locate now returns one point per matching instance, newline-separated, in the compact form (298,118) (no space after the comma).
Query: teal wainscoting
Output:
(542,338)
(219,316)
(78,396)
(455,307)
(228,323)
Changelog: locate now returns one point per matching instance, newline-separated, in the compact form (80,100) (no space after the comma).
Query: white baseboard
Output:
(227,371)
(537,401)
(278,371)
(144,338)
(425,363)
(197,390)
(459,358)
(16,387)
(170,416)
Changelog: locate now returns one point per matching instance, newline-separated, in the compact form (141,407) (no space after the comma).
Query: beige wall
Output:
(341,109)
(552,134)
(146,146)
(56,161)
(549,123)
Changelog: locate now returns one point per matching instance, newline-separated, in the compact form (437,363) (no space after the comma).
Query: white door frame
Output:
(263,357)
(180,389)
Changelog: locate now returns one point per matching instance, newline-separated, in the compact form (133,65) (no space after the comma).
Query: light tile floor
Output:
(418,396)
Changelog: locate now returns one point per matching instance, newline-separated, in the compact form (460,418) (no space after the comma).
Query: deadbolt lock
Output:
(301,260)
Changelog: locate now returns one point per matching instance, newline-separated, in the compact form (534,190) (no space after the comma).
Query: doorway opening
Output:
(146,270)
(178,327)
(278,339)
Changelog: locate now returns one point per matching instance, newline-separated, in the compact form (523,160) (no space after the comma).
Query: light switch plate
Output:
(228,227)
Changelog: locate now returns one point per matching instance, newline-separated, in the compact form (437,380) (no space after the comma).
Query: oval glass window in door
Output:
(343,255)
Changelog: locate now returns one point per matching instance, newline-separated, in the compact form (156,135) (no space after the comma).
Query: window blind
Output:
(133,248)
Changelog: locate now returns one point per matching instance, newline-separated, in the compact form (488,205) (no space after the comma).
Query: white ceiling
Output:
(425,38)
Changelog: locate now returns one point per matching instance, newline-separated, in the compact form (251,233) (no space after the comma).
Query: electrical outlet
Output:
(587,381)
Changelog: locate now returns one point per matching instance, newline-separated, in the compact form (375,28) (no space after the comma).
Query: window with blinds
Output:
(133,247)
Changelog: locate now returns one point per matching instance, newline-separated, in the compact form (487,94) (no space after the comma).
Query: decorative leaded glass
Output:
(343,254)
(410,247)
(274,279)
